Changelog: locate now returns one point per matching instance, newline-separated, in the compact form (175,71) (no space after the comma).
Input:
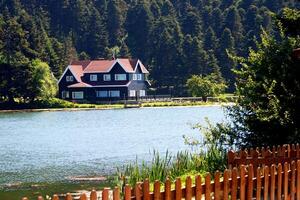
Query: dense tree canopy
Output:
(174,38)
(268,111)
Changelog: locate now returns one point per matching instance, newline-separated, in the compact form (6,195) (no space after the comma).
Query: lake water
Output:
(51,146)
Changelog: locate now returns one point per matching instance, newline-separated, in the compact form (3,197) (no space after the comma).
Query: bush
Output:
(205,86)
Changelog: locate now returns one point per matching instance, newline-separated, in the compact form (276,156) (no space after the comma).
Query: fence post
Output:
(156,190)
(286,181)
(266,182)
(293,176)
(69,197)
(83,197)
(279,177)
(207,187)
(55,197)
(178,190)
(127,195)
(146,190)
(116,193)
(168,189)
(105,194)
(93,195)
(199,187)
(272,189)
(137,191)
(226,184)
(250,182)
(234,184)
(258,183)
(217,186)
(242,182)
(188,188)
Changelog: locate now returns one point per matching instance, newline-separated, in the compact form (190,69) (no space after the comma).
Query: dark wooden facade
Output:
(93,87)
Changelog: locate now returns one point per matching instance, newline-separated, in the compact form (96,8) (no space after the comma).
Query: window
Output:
(139,77)
(69,78)
(132,93)
(93,77)
(134,77)
(106,77)
(114,93)
(77,95)
(142,93)
(102,94)
(65,94)
(120,77)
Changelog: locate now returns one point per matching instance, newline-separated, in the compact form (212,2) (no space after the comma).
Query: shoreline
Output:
(109,107)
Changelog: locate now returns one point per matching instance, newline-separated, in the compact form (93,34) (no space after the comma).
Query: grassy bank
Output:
(58,104)
(55,104)
(177,104)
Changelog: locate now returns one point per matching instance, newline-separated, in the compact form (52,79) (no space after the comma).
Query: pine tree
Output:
(211,41)
(115,22)
(138,26)
(97,39)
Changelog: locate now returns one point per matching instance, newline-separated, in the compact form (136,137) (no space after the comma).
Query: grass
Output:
(181,165)
(32,191)
(55,103)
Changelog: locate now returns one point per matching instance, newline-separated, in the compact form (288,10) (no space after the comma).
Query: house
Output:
(104,80)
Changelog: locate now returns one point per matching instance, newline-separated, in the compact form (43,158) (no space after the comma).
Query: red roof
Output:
(79,85)
(79,68)
(77,71)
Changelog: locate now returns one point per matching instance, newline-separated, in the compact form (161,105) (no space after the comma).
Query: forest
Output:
(174,38)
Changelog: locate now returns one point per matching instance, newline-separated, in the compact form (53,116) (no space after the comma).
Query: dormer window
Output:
(93,77)
(120,77)
(69,78)
(139,77)
(107,77)
(134,77)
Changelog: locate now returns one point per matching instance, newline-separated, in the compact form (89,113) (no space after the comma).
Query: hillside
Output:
(174,38)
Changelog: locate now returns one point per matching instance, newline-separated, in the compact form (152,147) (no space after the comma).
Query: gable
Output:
(74,70)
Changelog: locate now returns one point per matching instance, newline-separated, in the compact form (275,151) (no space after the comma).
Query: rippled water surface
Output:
(50,146)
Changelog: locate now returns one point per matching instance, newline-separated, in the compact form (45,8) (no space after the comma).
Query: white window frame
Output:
(78,95)
(132,93)
(93,77)
(65,94)
(115,93)
(134,77)
(106,77)
(139,77)
(142,93)
(120,77)
(69,78)
(99,94)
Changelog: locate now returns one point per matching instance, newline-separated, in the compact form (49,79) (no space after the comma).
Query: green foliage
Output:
(268,84)
(160,168)
(205,86)
(43,85)
(175,39)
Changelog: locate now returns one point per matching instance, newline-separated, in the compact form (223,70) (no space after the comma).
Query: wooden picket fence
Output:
(264,156)
(272,182)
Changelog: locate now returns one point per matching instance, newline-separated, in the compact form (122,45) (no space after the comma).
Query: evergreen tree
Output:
(115,22)
(97,39)
(211,41)
(138,25)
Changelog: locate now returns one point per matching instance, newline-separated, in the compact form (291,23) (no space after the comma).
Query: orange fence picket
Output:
(276,181)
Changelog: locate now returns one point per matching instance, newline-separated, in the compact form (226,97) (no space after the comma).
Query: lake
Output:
(51,146)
